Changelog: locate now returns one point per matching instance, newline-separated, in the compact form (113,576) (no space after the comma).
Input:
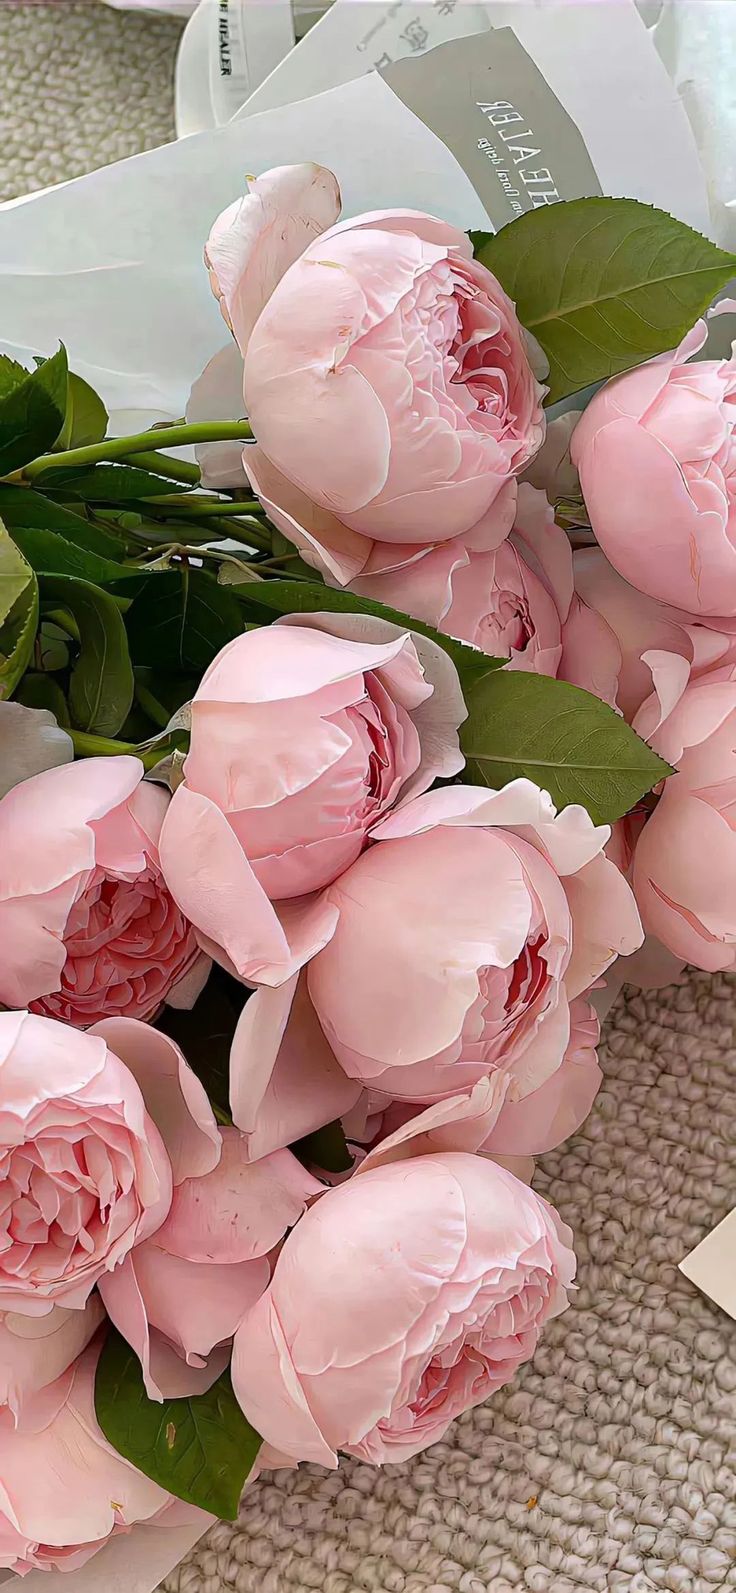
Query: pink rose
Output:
(388,377)
(341,554)
(411,427)
(36,1350)
(63,1490)
(304,734)
(87,925)
(462,939)
(89,1146)
(180,1295)
(512,598)
(684,871)
(455,1266)
(514,912)
(657,459)
(641,625)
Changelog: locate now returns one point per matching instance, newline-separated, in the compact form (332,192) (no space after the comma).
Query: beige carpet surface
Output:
(82,85)
(610,1464)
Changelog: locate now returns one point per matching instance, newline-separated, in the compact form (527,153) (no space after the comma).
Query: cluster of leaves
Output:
(113,601)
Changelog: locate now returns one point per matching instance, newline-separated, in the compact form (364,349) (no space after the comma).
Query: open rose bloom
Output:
(121,1196)
(515,913)
(87,925)
(405,1346)
(389,383)
(304,735)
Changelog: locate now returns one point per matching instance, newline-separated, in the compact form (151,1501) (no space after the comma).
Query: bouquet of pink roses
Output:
(336,770)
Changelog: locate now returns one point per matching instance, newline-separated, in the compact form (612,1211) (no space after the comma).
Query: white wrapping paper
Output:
(225,52)
(112,263)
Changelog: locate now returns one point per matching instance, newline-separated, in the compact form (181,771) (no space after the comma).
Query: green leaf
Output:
(18,614)
(15,575)
(240,573)
(32,413)
(42,691)
(201,1449)
(21,506)
(478,241)
(12,374)
(107,483)
(310,597)
(101,684)
(49,553)
(53,646)
(86,417)
(170,690)
(604,284)
(564,739)
(181,619)
(326,1148)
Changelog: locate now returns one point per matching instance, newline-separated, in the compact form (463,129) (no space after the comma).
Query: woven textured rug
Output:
(81,86)
(610,1464)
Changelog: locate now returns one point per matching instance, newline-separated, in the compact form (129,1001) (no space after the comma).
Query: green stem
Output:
(247,563)
(175,469)
(204,508)
(247,532)
(177,742)
(151,705)
(276,563)
(140,443)
(87,745)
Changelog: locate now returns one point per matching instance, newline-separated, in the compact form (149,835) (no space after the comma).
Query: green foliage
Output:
(31,411)
(18,614)
(181,619)
(86,416)
(101,681)
(106,483)
(50,553)
(326,1148)
(205,1032)
(564,739)
(24,507)
(603,283)
(201,1449)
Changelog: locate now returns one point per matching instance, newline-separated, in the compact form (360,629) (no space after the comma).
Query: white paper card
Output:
(711,1266)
